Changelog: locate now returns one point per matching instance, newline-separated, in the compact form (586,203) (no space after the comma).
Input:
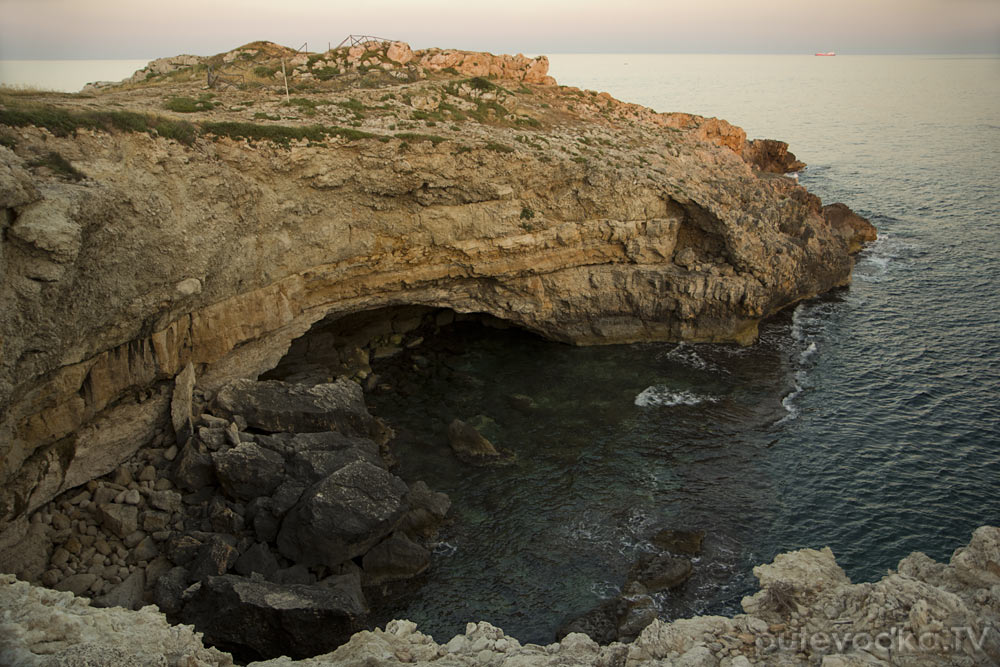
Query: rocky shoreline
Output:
(807,612)
(191,306)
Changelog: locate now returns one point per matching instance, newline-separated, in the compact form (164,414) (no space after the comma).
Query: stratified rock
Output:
(343,515)
(278,406)
(258,618)
(686,542)
(470,446)
(658,572)
(249,470)
(397,557)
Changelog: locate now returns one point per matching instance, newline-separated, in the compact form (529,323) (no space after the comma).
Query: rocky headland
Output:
(168,432)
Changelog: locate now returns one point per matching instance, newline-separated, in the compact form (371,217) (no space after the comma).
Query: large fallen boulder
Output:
(255,618)
(343,515)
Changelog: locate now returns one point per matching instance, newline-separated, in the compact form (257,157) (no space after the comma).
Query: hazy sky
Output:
(60,29)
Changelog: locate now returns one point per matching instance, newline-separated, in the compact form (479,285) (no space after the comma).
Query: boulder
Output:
(685,542)
(600,623)
(193,469)
(122,520)
(28,556)
(397,557)
(470,446)
(258,619)
(428,510)
(127,594)
(215,557)
(169,589)
(248,470)
(258,558)
(275,406)
(343,515)
(658,572)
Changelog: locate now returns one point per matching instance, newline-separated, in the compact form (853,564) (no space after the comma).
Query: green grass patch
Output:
(265,72)
(499,148)
(189,104)
(64,123)
(260,115)
(59,165)
(282,134)
(417,137)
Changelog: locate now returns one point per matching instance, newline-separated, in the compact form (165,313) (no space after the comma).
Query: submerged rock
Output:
(658,572)
(685,542)
(470,446)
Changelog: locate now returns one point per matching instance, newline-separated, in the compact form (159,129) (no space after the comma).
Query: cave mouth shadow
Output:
(351,345)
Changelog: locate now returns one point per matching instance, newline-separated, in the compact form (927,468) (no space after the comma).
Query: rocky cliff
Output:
(152,225)
(807,612)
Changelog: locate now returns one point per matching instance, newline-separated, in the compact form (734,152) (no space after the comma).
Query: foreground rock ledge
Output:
(807,612)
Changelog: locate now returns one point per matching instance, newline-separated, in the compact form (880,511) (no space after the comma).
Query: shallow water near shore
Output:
(867,420)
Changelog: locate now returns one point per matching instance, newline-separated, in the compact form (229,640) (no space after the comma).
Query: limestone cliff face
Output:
(222,252)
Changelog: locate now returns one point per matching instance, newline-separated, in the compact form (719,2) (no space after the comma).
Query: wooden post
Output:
(288,98)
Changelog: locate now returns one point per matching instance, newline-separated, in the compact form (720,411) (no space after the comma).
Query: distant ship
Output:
(828,53)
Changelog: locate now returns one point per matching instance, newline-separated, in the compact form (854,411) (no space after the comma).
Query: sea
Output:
(866,420)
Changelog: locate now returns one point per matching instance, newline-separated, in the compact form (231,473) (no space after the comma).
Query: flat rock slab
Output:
(275,406)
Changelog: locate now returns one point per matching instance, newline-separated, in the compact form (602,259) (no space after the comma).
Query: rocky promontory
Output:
(167,240)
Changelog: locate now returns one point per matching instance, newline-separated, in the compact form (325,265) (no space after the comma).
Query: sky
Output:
(118,29)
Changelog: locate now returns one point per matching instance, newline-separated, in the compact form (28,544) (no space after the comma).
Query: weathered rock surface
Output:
(176,267)
(343,515)
(954,608)
(272,619)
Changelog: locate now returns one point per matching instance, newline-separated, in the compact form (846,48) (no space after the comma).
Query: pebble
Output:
(163,484)
(132,497)
(72,545)
(60,521)
(148,474)
(171,453)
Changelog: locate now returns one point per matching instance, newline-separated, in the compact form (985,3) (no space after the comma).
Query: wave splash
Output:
(660,395)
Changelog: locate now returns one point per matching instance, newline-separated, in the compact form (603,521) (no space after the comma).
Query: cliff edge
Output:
(807,612)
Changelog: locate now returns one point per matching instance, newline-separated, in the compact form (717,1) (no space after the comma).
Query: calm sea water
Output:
(867,420)
(67,76)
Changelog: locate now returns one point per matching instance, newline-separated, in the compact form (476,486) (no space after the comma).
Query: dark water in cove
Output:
(867,420)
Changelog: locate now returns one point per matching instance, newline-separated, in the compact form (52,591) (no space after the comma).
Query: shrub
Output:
(415,137)
(527,213)
(499,148)
(59,165)
(190,105)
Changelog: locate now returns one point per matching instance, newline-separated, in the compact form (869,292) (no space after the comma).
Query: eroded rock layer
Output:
(128,257)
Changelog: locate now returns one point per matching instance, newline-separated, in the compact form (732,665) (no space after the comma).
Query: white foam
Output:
(659,395)
(685,354)
(808,352)
(444,549)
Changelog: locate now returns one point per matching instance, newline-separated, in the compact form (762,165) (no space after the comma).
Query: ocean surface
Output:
(867,420)
(67,76)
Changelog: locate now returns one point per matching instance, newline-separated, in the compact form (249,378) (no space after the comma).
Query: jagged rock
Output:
(127,594)
(685,542)
(193,469)
(600,623)
(313,456)
(28,556)
(428,510)
(296,574)
(258,558)
(278,406)
(854,229)
(182,549)
(658,572)
(215,557)
(169,589)
(470,446)
(241,614)
(397,557)
(343,515)
(180,404)
(122,520)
